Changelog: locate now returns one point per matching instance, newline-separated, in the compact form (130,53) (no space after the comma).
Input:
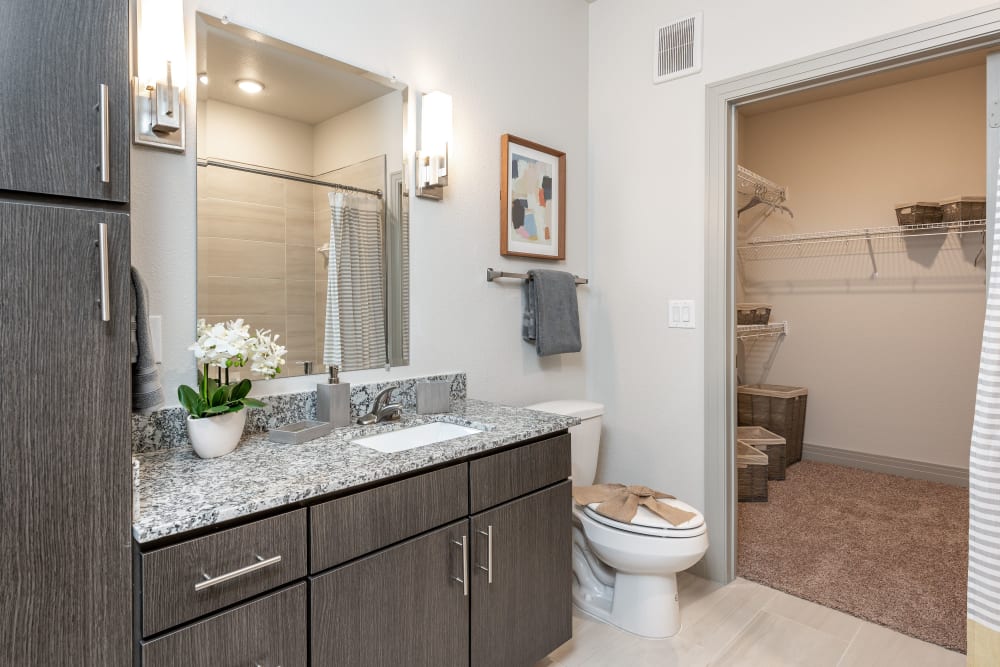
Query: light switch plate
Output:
(156,337)
(682,315)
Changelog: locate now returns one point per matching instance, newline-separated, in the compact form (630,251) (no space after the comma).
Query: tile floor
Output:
(745,623)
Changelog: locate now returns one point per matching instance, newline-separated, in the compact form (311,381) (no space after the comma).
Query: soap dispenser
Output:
(333,400)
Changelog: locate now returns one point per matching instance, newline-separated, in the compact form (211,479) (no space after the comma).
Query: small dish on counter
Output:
(299,432)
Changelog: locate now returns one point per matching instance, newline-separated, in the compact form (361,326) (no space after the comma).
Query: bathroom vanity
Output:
(457,553)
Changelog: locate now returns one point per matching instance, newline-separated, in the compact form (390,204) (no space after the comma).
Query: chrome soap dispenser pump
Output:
(333,400)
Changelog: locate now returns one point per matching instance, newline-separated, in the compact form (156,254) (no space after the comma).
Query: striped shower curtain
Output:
(355,297)
(984,484)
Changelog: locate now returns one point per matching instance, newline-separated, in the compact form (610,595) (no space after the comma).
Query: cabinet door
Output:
(54,58)
(402,606)
(268,632)
(65,483)
(526,611)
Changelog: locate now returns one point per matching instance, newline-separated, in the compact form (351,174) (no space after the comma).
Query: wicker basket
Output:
(753,313)
(779,409)
(751,474)
(918,213)
(963,208)
(769,443)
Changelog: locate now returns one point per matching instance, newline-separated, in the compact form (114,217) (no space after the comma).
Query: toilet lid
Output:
(646,522)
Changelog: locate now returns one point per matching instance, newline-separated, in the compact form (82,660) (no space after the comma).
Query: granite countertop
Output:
(179,492)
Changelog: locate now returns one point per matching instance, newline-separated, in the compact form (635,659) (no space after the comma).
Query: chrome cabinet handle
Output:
(465,564)
(105,135)
(259,565)
(102,244)
(488,534)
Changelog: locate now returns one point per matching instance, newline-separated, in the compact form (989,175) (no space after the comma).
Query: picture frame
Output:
(532,199)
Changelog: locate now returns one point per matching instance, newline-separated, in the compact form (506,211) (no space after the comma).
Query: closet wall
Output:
(891,363)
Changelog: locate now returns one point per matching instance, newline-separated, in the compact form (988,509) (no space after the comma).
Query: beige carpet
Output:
(888,549)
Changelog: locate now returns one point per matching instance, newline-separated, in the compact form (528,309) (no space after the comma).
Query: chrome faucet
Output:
(382,410)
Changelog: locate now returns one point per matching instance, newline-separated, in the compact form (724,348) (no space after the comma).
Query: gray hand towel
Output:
(147,393)
(551,316)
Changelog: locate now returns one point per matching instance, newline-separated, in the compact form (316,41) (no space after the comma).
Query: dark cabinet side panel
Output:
(526,612)
(65,488)
(269,631)
(401,606)
(54,56)
(501,477)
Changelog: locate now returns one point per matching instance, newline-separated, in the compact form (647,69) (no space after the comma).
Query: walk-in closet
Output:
(860,274)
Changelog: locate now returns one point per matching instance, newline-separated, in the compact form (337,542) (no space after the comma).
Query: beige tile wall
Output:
(257,258)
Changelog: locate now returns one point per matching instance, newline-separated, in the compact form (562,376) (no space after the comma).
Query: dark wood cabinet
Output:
(65,488)
(268,632)
(400,573)
(406,605)
(521,604)
(54,59)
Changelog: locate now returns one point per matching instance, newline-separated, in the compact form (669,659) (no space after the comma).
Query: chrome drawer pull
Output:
(105,135)
(102,245)
(488,534)
(465,564)
(259,565)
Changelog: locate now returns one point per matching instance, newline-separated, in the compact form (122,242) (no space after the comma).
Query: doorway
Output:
(871,63)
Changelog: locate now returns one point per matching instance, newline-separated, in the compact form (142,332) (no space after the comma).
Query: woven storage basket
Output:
(751,474)
(753,313)
(963,208)
(779,409)
(918,213)
(768,443)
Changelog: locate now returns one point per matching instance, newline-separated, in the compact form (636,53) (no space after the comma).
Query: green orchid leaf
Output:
(190,400)
(253,403)
(240,390)
(210,387)
(218,397)
(218,410)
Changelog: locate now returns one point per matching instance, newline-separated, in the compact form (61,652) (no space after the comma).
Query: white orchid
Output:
(225,344)
(266,355)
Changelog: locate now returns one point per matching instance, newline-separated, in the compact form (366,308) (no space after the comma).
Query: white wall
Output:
(534,86)
(374,128)
(647,206)
(891,364)
(243,135)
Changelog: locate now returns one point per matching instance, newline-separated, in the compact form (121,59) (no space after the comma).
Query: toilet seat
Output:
(646,522)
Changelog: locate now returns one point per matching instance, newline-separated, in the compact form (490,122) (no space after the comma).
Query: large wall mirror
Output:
(303,224)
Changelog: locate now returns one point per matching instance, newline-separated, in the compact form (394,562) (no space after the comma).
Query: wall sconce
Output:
(434,123)
(158,88)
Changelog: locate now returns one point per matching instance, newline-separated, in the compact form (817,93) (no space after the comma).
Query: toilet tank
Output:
(586,437)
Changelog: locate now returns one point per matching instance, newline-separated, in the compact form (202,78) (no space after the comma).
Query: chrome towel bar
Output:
(493,274)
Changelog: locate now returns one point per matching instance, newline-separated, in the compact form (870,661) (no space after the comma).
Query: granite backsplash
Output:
(167,428)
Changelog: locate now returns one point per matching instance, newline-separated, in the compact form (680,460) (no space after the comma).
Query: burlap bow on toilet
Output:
(620,502)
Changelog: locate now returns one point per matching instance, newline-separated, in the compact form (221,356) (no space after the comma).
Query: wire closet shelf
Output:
(752,184)
(754,331)
(867,234)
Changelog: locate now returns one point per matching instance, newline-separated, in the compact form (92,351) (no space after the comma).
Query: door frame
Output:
(953,35)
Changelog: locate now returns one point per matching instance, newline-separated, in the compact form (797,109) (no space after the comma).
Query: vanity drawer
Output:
(498,478)
(259,556)
(363,522)
(270,631)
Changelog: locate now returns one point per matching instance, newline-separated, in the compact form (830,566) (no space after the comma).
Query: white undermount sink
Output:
(414,436)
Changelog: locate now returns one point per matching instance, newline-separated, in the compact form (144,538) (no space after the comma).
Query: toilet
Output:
(625,574)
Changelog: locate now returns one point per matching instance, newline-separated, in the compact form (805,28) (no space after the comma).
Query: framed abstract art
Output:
(532,199)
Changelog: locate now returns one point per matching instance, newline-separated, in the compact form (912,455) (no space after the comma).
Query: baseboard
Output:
(933,472)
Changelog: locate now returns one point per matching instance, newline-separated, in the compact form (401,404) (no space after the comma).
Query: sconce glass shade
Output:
(435,137)
(161,74)
(160,40)
(435,123)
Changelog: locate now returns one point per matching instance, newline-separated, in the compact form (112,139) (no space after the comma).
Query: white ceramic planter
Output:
(216,436)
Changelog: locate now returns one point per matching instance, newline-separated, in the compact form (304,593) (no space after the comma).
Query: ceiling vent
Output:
(677,49)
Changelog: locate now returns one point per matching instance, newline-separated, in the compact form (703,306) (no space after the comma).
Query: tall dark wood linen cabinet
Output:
(65,474)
